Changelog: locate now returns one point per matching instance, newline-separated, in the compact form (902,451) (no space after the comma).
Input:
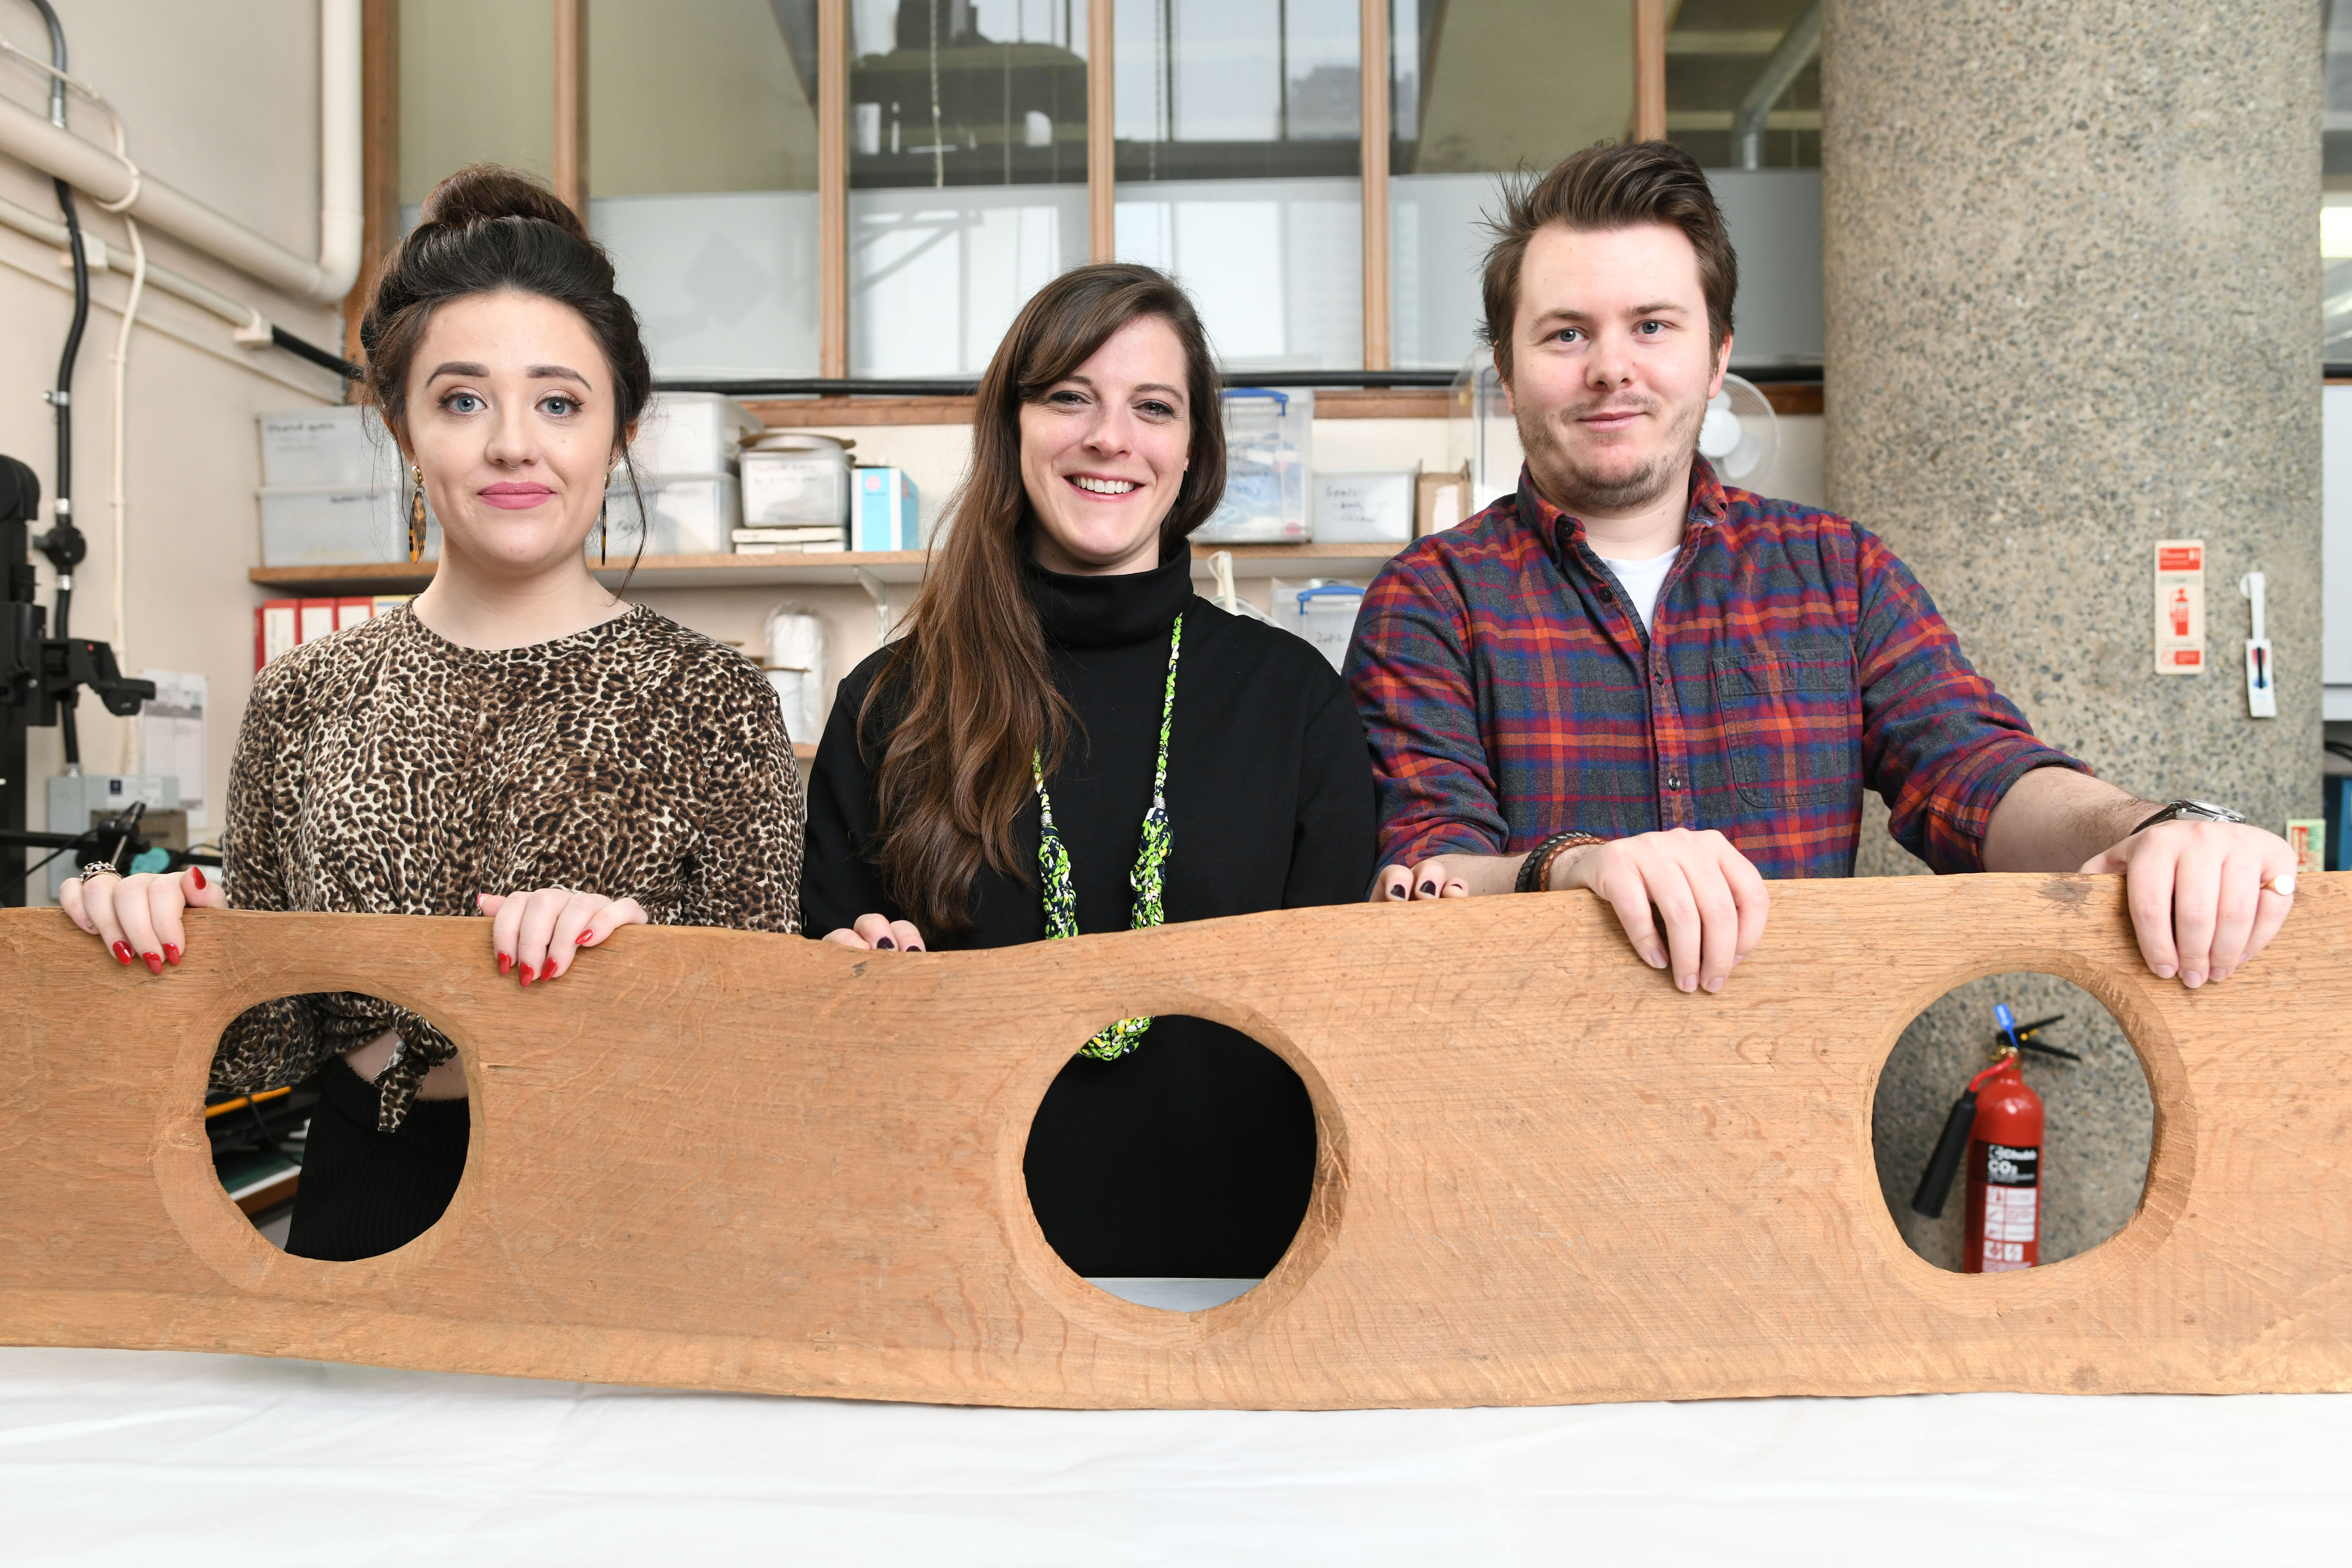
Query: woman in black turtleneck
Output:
(1043,630)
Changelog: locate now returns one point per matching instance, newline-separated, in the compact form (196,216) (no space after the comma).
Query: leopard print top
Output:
(385,770)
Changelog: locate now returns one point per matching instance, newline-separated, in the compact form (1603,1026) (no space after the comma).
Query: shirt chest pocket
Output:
(1787,715)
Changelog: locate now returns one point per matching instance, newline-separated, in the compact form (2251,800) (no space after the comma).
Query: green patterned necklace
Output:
(1053,864)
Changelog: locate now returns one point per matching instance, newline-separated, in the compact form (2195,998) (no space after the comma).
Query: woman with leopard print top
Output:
(518,742)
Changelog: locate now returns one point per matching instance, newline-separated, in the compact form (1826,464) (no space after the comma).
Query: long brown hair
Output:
(972,683)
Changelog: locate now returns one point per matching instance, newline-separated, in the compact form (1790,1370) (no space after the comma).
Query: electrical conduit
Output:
(27,136)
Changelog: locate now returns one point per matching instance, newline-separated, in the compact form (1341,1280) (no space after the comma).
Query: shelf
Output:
(838,568)
(840,412)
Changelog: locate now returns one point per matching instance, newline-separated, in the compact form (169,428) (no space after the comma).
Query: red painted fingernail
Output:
(506,962)
(528,976)
(122,952)
(172,956)
(583,940)
(154,961)
(198,873)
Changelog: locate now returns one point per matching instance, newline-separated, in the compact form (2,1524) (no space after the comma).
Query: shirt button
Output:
(1674,781)
(1605,595)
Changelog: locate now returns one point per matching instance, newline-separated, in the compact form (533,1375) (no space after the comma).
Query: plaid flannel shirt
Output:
(1510,692)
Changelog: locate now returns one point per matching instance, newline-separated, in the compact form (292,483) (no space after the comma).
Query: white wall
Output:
(220,98)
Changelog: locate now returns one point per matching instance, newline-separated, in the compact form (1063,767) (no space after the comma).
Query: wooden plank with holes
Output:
(728,1161)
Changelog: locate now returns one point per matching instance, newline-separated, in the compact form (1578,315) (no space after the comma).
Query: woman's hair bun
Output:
(483,191)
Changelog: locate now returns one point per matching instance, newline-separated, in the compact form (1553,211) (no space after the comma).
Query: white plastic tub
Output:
(1325,615)
(810,486)
(1268,447)
(692,514)
(1366,505)
(347,446)
(691,432)
(334,525)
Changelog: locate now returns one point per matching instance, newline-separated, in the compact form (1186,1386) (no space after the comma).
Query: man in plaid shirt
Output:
(1631,678)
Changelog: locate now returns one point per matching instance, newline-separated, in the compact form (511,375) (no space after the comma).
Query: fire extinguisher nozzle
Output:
(1935,1185)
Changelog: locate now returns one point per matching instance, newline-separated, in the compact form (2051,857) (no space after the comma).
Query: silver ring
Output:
(99,868)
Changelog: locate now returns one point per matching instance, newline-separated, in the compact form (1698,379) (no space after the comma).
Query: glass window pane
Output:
(966,172)
(1239,170)
(477,85)
(1725,58)
(2335,183)
(703,178)
(1475,93)
(1744,97)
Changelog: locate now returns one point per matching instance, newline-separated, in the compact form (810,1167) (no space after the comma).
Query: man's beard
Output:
(1577,490)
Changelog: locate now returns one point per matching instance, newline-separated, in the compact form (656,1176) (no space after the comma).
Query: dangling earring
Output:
(416,513)
(601,512)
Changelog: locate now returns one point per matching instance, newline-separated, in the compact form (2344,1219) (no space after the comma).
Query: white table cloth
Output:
(117,1457)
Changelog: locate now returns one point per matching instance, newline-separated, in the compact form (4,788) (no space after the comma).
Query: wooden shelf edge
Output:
(837,568)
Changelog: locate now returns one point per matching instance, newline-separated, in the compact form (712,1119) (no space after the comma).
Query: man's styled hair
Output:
(1606,186)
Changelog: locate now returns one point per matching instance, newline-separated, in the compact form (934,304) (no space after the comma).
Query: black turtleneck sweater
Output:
(1193,1153)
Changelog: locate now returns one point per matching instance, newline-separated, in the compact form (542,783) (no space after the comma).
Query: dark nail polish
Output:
(197,872)
(506,962)
(1397,891)
(122,952)
(154,961)
(913,948)
(171,956)
(1429,888)
(887,944)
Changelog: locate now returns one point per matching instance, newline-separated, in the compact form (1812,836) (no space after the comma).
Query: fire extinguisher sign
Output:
(2180,606)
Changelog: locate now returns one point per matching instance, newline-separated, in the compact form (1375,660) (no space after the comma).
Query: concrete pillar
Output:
(2072,292)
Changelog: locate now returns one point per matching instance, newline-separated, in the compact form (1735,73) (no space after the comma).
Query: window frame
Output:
(379,35)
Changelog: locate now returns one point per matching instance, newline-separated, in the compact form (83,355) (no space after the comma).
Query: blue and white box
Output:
(884,514)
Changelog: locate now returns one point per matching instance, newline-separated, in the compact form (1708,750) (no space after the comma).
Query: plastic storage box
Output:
(1481,431)
(1268,441)
(691,514)
(1325,615)
(330,525)
(691,432)
(1367,505)
(888,514)
(795,486)
(347,446)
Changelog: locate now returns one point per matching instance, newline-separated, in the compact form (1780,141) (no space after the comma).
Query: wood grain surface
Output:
(720,1160)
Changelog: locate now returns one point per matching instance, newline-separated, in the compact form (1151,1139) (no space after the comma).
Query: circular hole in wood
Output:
(2081,1185)
(297,1143)
(1177,1175)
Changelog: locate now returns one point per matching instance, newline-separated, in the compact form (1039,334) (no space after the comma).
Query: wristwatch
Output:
(2191,810)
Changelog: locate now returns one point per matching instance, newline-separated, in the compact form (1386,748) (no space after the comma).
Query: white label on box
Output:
(2180,606)
(172,737)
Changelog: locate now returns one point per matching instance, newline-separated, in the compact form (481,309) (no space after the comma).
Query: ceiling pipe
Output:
(1797,47)
(25,135)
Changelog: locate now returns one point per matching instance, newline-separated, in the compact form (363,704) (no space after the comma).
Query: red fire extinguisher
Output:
(1998,1121)
(2004,1222)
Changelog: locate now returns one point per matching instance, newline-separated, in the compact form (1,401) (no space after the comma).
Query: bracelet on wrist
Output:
(1535,871)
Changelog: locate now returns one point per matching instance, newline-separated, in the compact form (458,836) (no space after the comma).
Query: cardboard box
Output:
(886,514)
(1442,501)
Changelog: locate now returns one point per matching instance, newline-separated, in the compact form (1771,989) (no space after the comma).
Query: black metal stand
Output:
(41,677)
